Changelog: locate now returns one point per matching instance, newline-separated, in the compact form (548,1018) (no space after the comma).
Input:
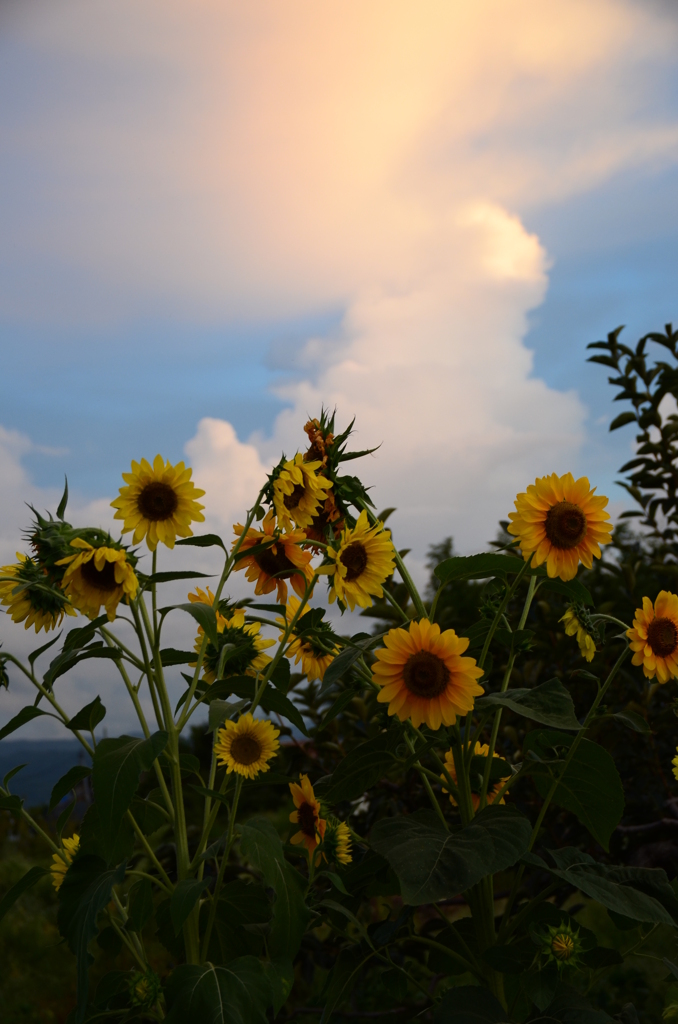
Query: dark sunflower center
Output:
(354,557)
(274,562)
(307,820)
(565,525)
(245,750)
(157,501)
(100,579)
(662,636)
(425,674)
(293,499)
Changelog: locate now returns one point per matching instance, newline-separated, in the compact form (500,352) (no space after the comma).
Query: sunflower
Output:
(329,516)
(278,559)
(306,815)
(337,842)
(675,765)
(314,658)
(574,627)
(98,576)
(62,861)
(364,560)
(246,746)
(562,522)
(28,595)
(424,677)
(654,637)
(479,750)
(158,502)
(244,656)
(298,492)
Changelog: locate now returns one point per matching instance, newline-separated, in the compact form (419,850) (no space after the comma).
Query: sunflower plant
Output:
(366,816)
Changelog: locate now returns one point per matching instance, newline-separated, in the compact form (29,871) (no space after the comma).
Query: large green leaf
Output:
(89,716)
(204,615)
(25,715)
(433,864)
(360,643)
(338,988)
(549,704)
(271,700)
(591,787)
(236,994)
(68,782)
(261,845)
(118,764)
(185,896)
(362,768)
(20,887)
(85,891)
(480,567)
(69,658)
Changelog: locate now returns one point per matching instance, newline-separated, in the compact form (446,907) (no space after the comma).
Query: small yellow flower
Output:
(96,577)
(573,627)
(480,750)
(364,559)
(245,655)
(61,862)
(38,603)
(246,746)
(562,522)
(314,660)
(280,559)
(654,637)
(423,675)
(306,815)
(337,842)
(158,502)
(298,492)
(675,765)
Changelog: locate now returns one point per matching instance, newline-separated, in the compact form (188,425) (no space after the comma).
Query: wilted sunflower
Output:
(280,558)
(314,659)
(29,596)
(479,750)
(337,842)
(306,815)
(575,627)
(245,656)
(96,577)
(158,502)
(562,522)
(654,637)
(61,862)
(298,492)
(246,746)
(423,675)
(364,560)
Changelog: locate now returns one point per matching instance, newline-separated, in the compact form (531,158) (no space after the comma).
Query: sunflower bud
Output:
(144,989)
(562,945)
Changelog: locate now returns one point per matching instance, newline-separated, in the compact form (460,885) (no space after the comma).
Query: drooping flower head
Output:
(278,558)
(562,522)
(30,597)
(337,842)
(479,750)
(61,862)
(654,637)
(306,815)
(364,559)
(98,576)
(314,658)
(244,655)
(299,492)
(423,675)
(246,746)
(575,625)
(159,502)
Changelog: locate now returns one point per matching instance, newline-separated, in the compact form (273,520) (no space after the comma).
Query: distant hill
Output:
(46,761)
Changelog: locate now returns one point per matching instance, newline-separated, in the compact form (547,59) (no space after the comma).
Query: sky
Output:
(215,217)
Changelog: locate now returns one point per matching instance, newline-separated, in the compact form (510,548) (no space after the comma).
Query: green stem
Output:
(427,785)
(147,664)
(432,944)
(222,867)
(500,611)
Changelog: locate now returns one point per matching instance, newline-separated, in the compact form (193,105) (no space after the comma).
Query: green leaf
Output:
(238,993)
(346,966)
(342,701)
(140,905)
(206,540)
(85,891)
(622,420)
(148,815)
(261,845)
(591,787)
(246,902)
(549,704)
(633,720)
(33,657)
(10,775)
(25,715)
(63,818)
(220,710)
(433,864)
(362,768)
(271,700)
(467,1005)
(204,614)
(169,577)
(281,675)
(170,656)
(79,637)
(338,668)
(185,896)
(477,567)
(13,804)
(118,764)
(68,782)
(68,659)
(574,590)
(17,890)
(64,501)
(89,716)
(92,842)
